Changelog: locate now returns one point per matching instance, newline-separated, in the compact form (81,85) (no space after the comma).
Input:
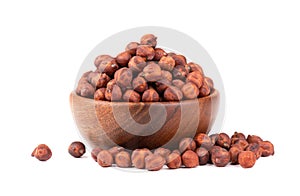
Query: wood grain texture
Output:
(105,124)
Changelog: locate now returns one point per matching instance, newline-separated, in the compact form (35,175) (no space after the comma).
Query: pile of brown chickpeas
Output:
(217,149)
(144,72)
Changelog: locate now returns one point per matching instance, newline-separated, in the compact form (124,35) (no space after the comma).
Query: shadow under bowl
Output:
(150,125)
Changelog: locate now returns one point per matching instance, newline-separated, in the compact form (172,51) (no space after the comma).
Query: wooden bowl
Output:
(150,125)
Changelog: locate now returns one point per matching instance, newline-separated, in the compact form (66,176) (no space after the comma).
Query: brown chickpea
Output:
(190,159)
(114,93)
(124,77)
(204,89)
(166,75)
(123,58)
(154,162)
(100,94)
(178,83)
(238,135)
(190,91)
(234,153)
(152,72)
(209,82)
(179,59)
(110,84)
(159,53)
(138,157)
(145,51)
(242,143)
(42,152)
(131,47)
(187,144)
(93,78)
(174,160)
(122,159)
(180,72)
(99,59)
(115,150)
(253,139)
(193,67)
(108,67)
(149,39)
(131,96)
(203,155)
(247,159)
(267,148)
(137,64)
(95,153)
(167,63)
(104,158)
(203,140)
(150,95)
(195,78)
(172,93)
(139,84)
(76,149)
(103,80)
(85,89)
(224,140)
(164,152)
(98,80)
(162,85)
(214,138)
(220,157)
(255,147)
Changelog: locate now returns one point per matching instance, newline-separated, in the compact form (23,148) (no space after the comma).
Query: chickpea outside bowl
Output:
(144,97)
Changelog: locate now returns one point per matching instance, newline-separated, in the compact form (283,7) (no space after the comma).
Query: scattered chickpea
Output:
(76,149)
(42,152)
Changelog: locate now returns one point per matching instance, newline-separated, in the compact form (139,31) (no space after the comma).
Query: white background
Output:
(255,45)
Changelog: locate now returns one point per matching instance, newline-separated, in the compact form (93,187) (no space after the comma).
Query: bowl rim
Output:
(215,93)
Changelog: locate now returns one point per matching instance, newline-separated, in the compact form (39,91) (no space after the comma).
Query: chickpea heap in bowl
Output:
(144,97)
(144,73)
